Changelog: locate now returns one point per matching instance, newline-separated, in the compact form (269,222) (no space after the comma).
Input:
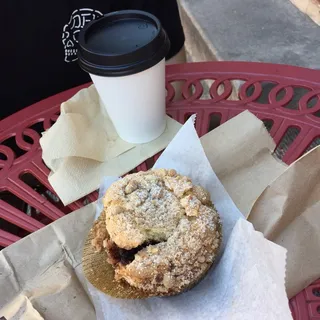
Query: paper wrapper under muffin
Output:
(101,274)
(236,287)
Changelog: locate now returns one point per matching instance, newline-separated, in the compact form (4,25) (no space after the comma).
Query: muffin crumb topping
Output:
(163,233)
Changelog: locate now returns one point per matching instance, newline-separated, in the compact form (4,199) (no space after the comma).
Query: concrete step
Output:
(248,30)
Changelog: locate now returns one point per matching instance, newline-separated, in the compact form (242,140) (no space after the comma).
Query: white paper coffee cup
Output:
(124,53)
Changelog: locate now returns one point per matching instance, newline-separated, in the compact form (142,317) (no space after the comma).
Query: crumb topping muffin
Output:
(162,232)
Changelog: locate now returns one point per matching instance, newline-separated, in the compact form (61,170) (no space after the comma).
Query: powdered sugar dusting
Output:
(163,206)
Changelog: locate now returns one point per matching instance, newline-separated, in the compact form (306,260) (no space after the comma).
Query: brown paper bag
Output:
(239,151)
(20,308)
(43,271)
(288,213)
(241,154)
(309,7)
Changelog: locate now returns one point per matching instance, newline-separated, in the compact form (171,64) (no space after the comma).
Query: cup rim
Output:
(109,64)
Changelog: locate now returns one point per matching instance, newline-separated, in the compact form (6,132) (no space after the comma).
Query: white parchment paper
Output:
(248,281)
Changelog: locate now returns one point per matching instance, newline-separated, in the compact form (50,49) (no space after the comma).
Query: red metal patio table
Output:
(286,98)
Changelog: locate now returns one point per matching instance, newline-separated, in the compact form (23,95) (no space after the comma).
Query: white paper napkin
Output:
(83,145)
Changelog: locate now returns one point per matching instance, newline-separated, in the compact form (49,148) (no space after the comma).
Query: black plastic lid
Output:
(122,43)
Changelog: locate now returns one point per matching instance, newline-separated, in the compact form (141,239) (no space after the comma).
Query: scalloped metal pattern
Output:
(284,97)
